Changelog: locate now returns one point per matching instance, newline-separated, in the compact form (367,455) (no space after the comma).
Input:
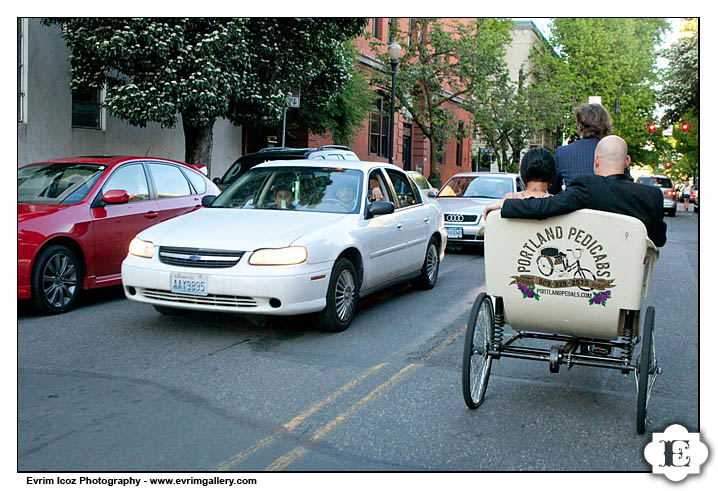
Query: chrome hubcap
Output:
(432,262)
(59,280)
(344,295)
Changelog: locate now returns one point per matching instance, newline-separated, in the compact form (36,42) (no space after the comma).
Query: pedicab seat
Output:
(600,267)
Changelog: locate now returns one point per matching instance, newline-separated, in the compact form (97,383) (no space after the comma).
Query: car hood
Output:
(239,230)
(463,205)
(26,211)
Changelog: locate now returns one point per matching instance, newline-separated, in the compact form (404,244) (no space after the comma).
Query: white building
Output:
(50,124)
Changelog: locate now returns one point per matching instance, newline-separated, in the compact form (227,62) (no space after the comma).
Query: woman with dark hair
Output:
(537,170)
(576,159)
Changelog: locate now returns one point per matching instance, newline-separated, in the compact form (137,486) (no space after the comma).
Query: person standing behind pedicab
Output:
(686,195)
(576,159)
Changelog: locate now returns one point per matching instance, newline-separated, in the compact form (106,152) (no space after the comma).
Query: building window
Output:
(410,32)
(379,129)
(87,108)
(21,70)
(440,153)
(375,25)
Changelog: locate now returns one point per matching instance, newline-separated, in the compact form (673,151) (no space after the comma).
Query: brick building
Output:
(411,148)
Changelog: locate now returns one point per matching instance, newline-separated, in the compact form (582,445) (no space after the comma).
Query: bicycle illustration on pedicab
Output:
(551,261)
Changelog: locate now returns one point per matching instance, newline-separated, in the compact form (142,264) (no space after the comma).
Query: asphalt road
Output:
(114,386)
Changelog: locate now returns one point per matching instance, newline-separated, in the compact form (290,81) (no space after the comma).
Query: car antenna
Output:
(148,150)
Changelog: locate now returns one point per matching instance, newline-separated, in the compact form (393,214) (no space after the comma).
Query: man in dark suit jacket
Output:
(608,190)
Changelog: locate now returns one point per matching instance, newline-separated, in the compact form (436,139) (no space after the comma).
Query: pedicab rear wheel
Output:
(646,369)
(477,361)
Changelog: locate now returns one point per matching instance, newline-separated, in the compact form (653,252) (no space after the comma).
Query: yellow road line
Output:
(291,425)
(286,459)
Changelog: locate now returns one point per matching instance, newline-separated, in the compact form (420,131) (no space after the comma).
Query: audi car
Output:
(464,197)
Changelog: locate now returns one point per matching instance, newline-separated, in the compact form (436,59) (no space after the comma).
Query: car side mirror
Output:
(381,208)
(116,196)
(216,180)
(432,194)
(207,200)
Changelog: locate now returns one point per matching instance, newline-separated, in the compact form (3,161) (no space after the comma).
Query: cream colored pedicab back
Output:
(574,274)
(575,281)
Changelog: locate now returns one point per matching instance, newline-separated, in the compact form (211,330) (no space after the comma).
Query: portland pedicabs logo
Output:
(580,269)
(676,453)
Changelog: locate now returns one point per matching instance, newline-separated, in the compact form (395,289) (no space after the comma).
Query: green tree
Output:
(154,69)
(680,81)
(680,97)
(344,112)
(511,113)
(444,63)
(612,58)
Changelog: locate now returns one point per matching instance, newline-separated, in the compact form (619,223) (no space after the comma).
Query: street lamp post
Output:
(394,53)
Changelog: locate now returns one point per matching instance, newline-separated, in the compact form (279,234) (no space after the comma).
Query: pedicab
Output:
(576,283)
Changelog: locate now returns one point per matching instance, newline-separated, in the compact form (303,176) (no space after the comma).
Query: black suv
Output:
(246,162)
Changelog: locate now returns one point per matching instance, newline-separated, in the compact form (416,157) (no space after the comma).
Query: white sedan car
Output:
(289,238)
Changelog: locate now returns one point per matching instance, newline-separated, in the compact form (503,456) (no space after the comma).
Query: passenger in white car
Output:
(283,199)
(346,196)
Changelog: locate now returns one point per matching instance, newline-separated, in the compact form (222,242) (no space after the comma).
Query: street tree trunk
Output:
(434,175)
(198,143)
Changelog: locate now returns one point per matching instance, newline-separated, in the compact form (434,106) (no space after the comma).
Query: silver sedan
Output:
(464,197)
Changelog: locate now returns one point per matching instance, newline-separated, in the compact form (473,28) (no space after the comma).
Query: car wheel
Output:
(672,212)
(430,269)
(56,280)
(342,297)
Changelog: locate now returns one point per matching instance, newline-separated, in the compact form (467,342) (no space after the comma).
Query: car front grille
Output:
(459,218)
(216,300)
(199,258)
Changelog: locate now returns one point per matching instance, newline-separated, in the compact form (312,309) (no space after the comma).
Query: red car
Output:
(77,216)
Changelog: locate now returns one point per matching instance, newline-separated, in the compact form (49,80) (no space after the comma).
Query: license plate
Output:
(193,284)
(454,232)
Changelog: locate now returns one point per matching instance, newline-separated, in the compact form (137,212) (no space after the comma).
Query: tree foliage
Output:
(444,63)
(154,69)
(608,57)
(680,81)
(344,112)
(511,113)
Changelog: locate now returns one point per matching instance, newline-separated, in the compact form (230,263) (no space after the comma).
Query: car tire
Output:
(342,297)
(430,268)
(672,212)
(56,280)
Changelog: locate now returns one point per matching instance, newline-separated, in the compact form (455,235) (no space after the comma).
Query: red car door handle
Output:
(151,214)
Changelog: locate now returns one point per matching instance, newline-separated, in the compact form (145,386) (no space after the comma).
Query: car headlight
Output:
(142,248)
(278,257)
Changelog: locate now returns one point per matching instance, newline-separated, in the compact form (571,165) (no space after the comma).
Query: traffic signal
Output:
(684,128)
(668,165)
(651,128)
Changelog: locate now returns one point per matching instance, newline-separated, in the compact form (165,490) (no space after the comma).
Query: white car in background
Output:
(289,238)
(423,184)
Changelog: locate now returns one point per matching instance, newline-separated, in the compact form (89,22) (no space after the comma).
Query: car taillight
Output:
(669,193)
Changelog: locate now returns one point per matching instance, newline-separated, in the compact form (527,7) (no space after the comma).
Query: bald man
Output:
(607,190)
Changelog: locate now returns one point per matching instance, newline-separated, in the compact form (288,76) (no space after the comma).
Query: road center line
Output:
(296,421)
(285,460)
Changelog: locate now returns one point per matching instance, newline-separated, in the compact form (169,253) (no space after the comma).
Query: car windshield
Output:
(314,189)
(56,183)
(476,187)
(659,182)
